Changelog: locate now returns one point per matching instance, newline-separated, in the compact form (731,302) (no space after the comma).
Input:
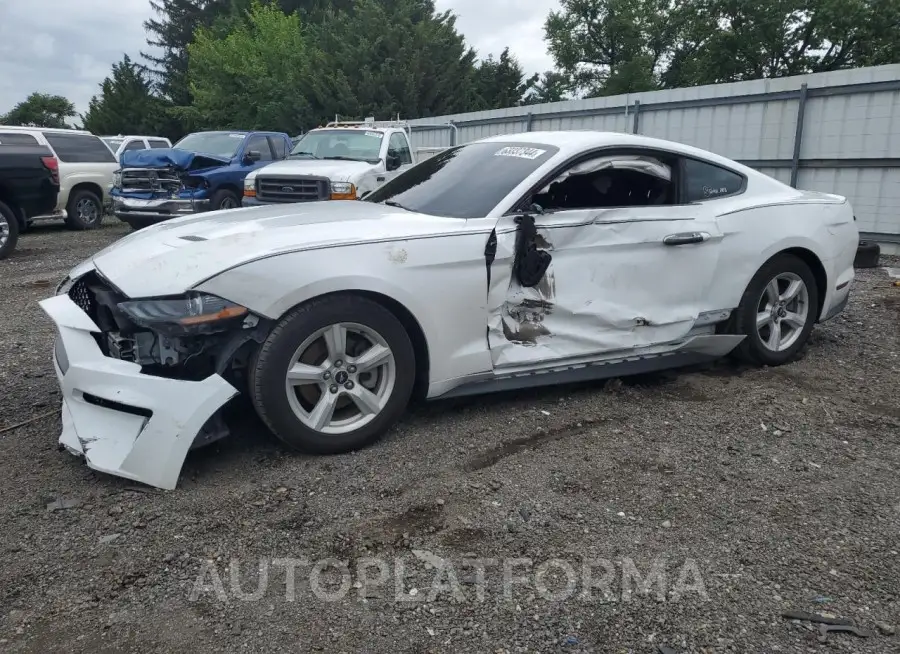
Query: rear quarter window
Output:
(79,148)
(11,138)
(157,144)
(706,181)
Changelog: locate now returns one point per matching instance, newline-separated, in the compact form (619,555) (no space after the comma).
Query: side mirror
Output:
(392,162)
(252,156)
(536,209)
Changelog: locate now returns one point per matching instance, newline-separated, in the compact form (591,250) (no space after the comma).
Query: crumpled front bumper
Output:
(122,421)
(139,212)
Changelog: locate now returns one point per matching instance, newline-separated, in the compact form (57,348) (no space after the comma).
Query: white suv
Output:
(119,144)
(86,167)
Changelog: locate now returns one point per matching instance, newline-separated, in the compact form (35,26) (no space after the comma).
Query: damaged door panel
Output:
(615,279)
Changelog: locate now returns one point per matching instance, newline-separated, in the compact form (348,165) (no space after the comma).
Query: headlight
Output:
(117,179)
(249,187)
(343,191)
(190,311)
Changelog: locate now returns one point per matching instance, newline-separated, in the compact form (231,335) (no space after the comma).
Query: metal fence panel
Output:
(837,132)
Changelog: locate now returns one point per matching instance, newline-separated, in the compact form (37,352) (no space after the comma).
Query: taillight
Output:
(51,164)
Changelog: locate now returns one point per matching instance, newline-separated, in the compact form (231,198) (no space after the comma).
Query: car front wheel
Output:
(334,375)
(777,312)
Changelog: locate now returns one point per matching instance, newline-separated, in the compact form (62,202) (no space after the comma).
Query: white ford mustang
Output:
(515,261)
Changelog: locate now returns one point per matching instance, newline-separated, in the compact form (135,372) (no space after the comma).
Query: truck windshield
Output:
(350,144)
(219,144)
(466,181)
(113,143)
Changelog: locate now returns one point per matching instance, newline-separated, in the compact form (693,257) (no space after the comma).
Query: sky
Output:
(67,47)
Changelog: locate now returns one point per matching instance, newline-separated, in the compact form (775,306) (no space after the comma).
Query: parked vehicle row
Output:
(29,186)
(515,261)
(120,144)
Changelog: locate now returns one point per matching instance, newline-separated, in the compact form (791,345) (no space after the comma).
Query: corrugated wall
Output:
(849,142)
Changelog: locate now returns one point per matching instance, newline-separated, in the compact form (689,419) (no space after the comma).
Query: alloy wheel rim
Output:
(340,378)
(4,231)
(782,312)
(86,210)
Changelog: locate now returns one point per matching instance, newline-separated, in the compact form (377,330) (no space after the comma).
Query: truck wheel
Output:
(777,313)
(224,199)
(334,375)
(9,230)
(84,211)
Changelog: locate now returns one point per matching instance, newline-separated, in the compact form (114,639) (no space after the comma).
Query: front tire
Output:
(9,230)
(334,375)
(224,199)
(777,312)
(84,211)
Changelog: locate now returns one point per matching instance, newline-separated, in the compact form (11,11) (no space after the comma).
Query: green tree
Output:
(552,86)
(501,82)
(126,104)
(41,110)
(265,74)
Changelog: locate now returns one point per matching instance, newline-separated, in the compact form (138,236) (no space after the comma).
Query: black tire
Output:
(76,219)
(867,255)
(225,197)
(11,220)
(752,349)
(269,369)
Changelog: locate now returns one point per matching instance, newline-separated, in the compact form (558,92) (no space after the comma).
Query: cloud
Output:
(67,47)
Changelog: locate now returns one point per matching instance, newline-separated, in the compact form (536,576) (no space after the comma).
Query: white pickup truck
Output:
(341,161)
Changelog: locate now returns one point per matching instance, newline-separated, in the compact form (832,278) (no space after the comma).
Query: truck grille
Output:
(150,180)
(292,189)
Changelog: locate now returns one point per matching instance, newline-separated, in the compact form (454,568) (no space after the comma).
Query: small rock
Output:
(525,512)
(168,557)
(440,502)
(886,629)
(621,514)
(62,504)
(109,538)
(236,629)
(117,618)
(667,524)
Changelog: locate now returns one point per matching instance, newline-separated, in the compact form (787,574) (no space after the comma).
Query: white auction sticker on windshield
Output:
(520,152)
(375,134)
(236,136)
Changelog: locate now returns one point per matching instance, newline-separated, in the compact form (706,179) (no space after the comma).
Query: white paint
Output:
(616,290)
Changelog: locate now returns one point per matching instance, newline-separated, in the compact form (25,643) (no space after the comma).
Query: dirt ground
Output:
(752,491)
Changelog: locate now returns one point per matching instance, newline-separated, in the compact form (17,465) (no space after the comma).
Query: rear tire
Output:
(84,211)
(777,312)
(9,230)
(352,369)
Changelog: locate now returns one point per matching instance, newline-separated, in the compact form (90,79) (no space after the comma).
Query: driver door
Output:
(618,279)
(398,146)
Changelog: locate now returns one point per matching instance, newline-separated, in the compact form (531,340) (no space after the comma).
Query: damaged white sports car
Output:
(514,261)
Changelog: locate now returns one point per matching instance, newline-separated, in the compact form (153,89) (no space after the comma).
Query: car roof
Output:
(21,128)
(573,141)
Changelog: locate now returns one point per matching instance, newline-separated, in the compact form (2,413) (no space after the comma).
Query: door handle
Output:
(686,238)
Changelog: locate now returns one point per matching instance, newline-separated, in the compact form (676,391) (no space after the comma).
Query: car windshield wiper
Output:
(394,203)
(340,157)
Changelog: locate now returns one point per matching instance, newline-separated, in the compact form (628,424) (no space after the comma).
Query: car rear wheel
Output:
(334,375)
(9,230)
(777,312)
(84,211)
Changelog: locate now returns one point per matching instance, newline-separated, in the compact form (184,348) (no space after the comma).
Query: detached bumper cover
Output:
(123,422)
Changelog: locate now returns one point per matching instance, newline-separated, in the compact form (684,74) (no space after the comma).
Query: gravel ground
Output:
(754,491)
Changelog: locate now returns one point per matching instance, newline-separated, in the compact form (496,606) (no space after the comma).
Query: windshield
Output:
(113,143)
(464,182)
(352,144)
(220,144)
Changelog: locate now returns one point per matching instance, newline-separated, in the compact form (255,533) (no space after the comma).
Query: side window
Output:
(79,148)
(278,147)
(261,144)
(135,145)
(157,144)
(610,180)
(12,138)
(399,146)
(705,181)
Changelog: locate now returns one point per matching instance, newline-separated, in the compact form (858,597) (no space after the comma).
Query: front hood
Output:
(334,170)
(170,157)
(176,255)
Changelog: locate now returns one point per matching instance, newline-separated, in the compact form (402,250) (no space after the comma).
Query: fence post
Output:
(528,120)
(452,134)
(798,135)
(636,128)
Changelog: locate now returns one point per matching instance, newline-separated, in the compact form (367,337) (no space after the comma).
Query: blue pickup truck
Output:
(204,171)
